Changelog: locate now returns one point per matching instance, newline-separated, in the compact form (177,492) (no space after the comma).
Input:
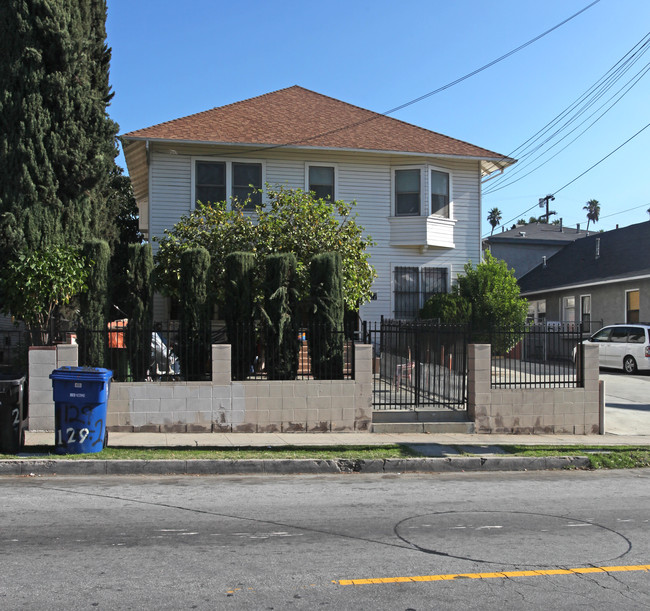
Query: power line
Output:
(422,97)
(601,160)
(587,99)
(637,77)
(490,64)
(583,173)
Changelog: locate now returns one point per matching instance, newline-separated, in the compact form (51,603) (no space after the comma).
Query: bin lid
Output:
(12,376)
(89,374)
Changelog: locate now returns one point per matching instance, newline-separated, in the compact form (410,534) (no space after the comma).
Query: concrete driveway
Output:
(627,403)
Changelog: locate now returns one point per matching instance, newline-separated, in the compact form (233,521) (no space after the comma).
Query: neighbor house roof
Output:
(298,117)
(538,233)
(610,256)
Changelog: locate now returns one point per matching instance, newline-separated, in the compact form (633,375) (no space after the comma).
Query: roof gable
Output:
(622,253)
(298,117)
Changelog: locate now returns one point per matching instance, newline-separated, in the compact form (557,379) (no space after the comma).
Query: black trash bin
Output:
(12,412)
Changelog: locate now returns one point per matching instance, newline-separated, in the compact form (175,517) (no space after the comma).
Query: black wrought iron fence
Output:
(312,352)
(161,353)
(14,346)
(536,356)
(418,364)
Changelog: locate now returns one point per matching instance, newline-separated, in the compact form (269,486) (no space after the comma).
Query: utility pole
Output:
(544,201)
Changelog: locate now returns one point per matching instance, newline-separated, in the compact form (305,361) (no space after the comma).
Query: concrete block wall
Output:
(247,407)
(220,405)
(42,361)
(529,411)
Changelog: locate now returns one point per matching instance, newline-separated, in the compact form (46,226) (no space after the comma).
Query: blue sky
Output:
(171,59)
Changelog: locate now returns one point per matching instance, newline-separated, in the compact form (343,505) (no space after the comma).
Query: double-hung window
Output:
(422,191)
(321,181)
(247,182)
(439,187)
(210,182)
(217,181)
(408,192)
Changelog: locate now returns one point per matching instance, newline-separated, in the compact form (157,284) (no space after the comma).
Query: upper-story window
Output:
(421,191)
(216,181)
(407,192)
(439,187)
(210,180)
(321,181)
(247,182)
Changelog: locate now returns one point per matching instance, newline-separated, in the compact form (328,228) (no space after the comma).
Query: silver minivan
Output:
(624,347)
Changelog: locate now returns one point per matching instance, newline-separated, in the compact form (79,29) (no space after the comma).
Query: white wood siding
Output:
(365,178)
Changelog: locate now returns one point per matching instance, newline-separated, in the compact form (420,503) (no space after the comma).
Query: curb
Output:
(450,464)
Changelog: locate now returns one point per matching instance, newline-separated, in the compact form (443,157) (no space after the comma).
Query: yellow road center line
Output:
(500,575)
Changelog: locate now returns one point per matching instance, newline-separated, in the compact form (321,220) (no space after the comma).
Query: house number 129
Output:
(70,432)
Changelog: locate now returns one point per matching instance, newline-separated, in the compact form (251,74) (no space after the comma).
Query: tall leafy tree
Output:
(494,218)
(291,221)
(57,143)
(593,211)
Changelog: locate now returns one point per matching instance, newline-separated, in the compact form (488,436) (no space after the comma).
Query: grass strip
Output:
(230,453)
(600,457)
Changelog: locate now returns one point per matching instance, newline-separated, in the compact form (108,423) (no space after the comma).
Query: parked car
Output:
(624,347)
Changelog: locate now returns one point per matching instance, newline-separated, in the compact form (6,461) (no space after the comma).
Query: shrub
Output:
(281,317)
(195,313)
(326,320)
(239,309)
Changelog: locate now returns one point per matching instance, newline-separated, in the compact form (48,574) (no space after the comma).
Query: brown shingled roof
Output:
(299,117)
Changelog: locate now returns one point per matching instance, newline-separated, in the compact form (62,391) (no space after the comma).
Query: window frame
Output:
(229,177)
(420,294)
(323,164)
(565,308)
(425,190)
(583,326)
(627,310)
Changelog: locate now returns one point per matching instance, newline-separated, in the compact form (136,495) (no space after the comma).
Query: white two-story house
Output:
(418,192)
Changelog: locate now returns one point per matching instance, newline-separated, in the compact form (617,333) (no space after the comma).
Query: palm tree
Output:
(593,211)
(494,218)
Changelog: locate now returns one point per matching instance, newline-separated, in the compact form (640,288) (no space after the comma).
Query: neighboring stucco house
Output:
(418,192)
(603,277)
(524,247)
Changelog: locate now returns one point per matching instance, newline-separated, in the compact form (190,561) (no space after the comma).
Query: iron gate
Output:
(418,364)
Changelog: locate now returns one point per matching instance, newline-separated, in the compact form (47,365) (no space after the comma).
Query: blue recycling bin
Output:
(80,401)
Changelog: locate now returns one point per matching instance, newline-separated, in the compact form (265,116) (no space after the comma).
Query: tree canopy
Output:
(593,211)
(494,218)
(57,143)
(292,221)
(486,296)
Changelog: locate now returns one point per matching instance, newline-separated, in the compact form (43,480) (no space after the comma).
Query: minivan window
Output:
(601,336)
(637,335)
(619,335)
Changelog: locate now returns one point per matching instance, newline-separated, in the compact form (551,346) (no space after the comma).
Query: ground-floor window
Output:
(568,309)
(632,303)
(537,311)
(412,286)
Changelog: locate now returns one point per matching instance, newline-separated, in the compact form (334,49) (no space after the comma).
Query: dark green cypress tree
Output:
(94,305)
(57,144)
(239,310)
(194,313)
(139,308)
(326,320)
(281,317)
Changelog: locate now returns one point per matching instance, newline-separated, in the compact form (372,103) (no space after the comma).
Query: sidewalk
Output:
(260,440)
